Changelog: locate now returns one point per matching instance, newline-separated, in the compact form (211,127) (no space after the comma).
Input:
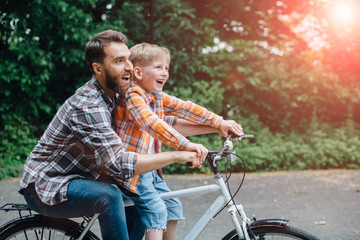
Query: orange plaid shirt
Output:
(152,114)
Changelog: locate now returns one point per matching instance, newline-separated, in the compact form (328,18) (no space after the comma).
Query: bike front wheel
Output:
(44,228)
(271,232)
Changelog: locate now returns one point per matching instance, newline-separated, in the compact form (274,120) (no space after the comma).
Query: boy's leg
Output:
(85,198)
(173,206)
(151,208)
(170,232)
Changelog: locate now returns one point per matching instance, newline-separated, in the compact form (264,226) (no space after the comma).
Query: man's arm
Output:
(149,162)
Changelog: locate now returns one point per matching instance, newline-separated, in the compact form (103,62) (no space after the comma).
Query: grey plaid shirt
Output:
(79,143)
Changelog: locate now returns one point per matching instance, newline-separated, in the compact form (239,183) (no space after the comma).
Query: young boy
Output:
(146,119)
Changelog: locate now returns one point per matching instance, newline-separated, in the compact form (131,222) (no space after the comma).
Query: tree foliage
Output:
(250,60)
(275,72)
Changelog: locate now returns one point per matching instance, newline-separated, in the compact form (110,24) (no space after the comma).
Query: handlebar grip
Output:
(246,136)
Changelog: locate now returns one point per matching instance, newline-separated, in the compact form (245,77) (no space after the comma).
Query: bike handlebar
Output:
(214,156)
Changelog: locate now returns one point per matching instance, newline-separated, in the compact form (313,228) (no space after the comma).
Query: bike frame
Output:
(256,228)
(223,199)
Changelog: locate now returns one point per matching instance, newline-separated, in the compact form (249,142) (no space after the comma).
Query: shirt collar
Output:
(149,97)
(110,102)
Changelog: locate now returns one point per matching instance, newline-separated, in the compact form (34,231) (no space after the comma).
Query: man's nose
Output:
(129,66)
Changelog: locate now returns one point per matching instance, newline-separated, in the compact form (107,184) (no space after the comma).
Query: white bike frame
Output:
(223,199)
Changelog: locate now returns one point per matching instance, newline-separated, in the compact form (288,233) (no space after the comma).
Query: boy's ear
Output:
(138,73)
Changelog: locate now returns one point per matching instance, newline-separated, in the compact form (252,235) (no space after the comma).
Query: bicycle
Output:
(36,226)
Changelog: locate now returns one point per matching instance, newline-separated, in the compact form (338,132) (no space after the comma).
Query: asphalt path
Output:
(324,203)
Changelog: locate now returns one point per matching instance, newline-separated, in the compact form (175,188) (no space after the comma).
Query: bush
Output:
(17,141)
(320,147)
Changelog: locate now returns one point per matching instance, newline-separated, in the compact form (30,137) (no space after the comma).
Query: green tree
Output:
(246,60)
(275,71)
(42,63)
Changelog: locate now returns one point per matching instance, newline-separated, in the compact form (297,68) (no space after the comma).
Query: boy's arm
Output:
(199,119)
(190,111)
(187,128)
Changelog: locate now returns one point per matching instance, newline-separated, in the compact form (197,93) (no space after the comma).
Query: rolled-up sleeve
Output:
(190,111)
(152,123)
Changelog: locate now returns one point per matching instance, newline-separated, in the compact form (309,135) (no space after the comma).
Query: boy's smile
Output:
(161,82)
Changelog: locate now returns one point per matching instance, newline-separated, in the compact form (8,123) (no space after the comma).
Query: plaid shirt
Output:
(79,143)
(145,115)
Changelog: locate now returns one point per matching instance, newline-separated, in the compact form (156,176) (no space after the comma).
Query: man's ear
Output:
(138,74)
(97,68)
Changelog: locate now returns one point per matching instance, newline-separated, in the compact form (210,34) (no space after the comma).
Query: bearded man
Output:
(60,175)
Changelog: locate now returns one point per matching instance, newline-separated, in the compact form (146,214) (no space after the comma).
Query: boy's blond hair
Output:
(145,53)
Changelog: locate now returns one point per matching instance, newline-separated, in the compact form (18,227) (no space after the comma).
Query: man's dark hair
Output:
(94,51)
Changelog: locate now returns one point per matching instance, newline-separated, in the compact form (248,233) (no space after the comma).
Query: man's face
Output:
(154,75)
(117,67)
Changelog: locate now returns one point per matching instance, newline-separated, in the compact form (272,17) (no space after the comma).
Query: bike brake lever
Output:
(228,145)
(233,156)
(216,158)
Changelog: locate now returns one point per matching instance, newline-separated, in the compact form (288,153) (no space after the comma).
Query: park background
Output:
(288,71)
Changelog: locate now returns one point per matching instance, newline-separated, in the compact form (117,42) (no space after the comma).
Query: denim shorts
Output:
(155,212)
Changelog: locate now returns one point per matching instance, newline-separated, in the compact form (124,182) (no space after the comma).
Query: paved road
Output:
(324,203)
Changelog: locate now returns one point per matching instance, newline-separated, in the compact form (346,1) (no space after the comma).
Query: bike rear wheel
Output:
(271,232)
(40,227)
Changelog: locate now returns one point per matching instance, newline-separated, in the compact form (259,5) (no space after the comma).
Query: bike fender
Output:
(15,222)
(269,222)
(40,218)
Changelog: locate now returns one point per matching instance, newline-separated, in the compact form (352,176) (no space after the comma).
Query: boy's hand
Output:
(199,149)
(228,126)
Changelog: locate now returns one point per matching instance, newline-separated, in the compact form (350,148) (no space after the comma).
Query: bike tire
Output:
(270,232)
(41,227)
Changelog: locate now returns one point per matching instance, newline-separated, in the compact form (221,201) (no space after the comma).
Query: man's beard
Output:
(113,84)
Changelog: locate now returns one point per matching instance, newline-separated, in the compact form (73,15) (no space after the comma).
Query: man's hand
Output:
(201,151)
(149,162)
(185,157)
(228,126)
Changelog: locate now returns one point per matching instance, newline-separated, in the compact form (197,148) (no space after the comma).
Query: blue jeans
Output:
(154,212)
(85,198)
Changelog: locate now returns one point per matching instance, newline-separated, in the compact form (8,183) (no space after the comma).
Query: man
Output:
(59,178)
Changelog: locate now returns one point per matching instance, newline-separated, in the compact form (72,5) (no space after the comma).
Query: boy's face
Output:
(153,76)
